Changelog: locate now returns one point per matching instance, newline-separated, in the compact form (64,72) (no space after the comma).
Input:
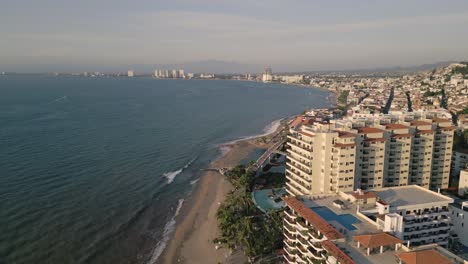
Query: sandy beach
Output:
(196,224)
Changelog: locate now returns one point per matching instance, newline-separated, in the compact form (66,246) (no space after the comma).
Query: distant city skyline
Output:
(224,36)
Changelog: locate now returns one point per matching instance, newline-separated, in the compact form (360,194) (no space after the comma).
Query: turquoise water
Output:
(265,199)
(93,170)
(345,220)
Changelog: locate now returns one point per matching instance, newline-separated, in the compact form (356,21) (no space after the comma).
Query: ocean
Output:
(94,170)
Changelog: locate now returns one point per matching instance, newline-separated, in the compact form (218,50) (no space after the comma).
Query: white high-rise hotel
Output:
(348,154)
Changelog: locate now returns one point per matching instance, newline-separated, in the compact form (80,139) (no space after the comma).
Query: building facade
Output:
(336,155)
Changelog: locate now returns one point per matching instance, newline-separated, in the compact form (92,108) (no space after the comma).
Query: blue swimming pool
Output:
(269,199)
(345,220)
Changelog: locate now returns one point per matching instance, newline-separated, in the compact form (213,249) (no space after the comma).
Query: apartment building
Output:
(343,155)
(458,211)
(459,162)
(364,227)
(398,151)
(442,153)
(320,160)
(370,158)
(421,152)
(414,214)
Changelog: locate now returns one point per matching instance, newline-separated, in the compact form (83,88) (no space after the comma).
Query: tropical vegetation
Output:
(242,224)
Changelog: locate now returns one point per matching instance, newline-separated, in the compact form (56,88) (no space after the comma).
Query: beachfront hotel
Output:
(328,156)
(407,224)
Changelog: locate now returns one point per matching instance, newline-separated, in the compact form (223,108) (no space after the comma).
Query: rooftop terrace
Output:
(409,195)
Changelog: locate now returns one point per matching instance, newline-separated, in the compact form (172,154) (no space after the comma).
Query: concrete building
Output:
(320,160)
(267,75)
(458,211)
(412,213)
(130,73)
(463,183)
(459,162)
(353,227)
(344,155)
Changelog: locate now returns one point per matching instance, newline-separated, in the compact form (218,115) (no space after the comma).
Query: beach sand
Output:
(197,226)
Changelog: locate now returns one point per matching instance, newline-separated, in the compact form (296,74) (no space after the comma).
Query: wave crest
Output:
(170,176)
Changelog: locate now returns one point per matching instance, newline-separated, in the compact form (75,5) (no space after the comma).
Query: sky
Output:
(292,35)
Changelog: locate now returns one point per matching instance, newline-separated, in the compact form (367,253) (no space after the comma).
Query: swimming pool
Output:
(346,220)
(265,199)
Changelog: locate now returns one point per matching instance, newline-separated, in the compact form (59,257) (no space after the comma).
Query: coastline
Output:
(196,224)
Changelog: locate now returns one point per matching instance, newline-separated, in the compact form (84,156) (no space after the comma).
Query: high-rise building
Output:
(365,227)
(267,75)
(175,74)
(130,73)
(181,73)
(339,155)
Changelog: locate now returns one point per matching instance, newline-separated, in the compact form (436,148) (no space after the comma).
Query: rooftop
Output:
(420,123)
(429,256)
(313,218)
(377,240)
(441,120)
(369,130)
(395,126)
(409,195)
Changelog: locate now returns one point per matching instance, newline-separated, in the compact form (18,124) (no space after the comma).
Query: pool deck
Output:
(363,227)
(265,203)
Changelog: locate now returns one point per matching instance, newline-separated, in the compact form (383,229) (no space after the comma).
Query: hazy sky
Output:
(287,34)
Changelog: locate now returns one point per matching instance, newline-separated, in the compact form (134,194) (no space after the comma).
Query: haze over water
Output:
(92,170)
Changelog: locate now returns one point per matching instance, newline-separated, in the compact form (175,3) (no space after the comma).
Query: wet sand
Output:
(197,226)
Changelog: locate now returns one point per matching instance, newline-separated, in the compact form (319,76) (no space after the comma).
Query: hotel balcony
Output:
(299,142)
(301,162)
(304,234)
(290,215)
(316,246)
(294,152)
(302,242)
(298,167)
(293,173)
(289,259)
(299,183)
(295,190)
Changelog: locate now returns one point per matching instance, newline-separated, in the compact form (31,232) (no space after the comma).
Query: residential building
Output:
(326,156)
(267,75)
(362,227)
(459,231)
(463,183)
(130,73)
(459,162)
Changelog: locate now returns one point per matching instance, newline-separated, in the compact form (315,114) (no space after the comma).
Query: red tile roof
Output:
(333,250)
(377,240)
(395,126)
(430,131)
(420,123)
(448,128)
(441,120)
(296,121)
(314,219)
(344,134)
(429,256)
(369,130)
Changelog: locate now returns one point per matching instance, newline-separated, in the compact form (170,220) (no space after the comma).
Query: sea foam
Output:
(170,176)
(168,229)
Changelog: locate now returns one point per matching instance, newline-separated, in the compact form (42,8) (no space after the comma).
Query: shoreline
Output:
(196,224)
